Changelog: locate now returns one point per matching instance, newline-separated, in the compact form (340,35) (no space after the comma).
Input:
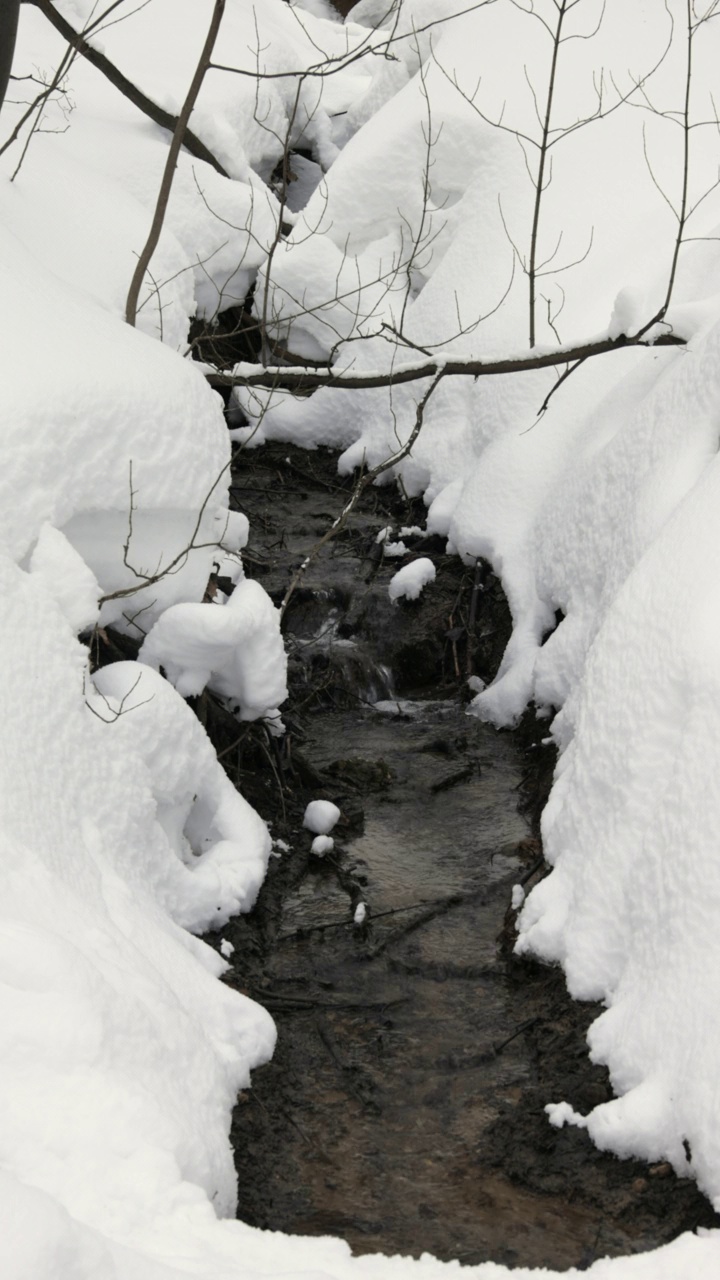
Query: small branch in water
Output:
(311,1002)
(478,586)
(456,900)
(376,915)
(524,1026)
(536,866)
(460,775)
(366,478)
(453,642)
(347,1069)
(254,1097)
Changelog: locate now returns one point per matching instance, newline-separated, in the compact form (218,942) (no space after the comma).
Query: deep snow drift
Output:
(120,1052)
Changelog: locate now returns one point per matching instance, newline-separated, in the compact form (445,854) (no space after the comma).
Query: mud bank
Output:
(404,1108)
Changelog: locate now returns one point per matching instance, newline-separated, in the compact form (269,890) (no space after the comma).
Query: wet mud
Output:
(404,1107)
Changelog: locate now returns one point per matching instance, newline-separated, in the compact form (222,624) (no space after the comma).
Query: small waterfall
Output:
(339,665)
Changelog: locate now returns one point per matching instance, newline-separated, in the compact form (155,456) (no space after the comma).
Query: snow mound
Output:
(321,816)
(410,581)
(235,648)
(322,845)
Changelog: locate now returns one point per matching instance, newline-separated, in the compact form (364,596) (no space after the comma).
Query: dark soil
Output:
(404,1107)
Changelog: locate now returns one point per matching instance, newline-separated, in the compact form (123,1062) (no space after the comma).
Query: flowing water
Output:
(404,1107)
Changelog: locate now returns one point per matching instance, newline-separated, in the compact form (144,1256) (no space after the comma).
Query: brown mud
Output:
(404,1107)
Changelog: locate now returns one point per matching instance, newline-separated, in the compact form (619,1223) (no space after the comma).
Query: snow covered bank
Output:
(120,1052)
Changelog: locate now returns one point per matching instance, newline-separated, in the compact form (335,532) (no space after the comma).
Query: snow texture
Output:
(235,648)
(410,581)
(322,845)
(321,816)
(121,1053)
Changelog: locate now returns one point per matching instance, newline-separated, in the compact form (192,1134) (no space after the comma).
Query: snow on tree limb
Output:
(283,378)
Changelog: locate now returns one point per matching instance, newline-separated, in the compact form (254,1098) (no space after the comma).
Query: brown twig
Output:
(171,163)
(303,380)
(130,91)
(366,478)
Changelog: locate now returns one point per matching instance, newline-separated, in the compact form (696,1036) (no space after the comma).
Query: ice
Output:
(410,581)
(321,816)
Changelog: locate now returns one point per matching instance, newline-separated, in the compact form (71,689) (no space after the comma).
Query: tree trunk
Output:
(9,10)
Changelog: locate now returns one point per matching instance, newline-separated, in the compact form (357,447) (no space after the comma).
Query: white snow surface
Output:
(322,845)
(410,581)
(121,1053)
(234,647)
(320,817)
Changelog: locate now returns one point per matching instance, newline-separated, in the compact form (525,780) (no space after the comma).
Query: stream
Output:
(404,1107)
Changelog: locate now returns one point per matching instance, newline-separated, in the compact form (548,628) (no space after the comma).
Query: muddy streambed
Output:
(404,1107)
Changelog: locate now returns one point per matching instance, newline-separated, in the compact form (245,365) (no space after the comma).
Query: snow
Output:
(321,816)
(121,1052)
(518,897)
(322,845)
(410,581)
(234,648)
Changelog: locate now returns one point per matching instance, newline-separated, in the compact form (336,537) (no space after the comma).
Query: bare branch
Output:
(171,163)
(177,562)
(9,12)
(366,478)
(309,379)
(75,39)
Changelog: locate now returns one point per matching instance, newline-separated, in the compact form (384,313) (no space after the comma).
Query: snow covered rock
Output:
(321,816)
(236,648)
(410,581)
(322,845)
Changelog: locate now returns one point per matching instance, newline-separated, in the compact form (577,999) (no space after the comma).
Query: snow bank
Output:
(120,1051)
(631,907)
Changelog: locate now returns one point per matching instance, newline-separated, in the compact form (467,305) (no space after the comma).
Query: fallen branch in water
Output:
(456,900)
(373,916)
(310,1002)
(524,1026)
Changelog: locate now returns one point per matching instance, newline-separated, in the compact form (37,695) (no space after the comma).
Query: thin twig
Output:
(171,164)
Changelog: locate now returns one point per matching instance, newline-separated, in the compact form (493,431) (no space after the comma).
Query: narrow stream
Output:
(401,1083)
(403,1109)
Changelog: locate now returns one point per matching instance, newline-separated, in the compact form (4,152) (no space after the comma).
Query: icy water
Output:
(404,1107)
